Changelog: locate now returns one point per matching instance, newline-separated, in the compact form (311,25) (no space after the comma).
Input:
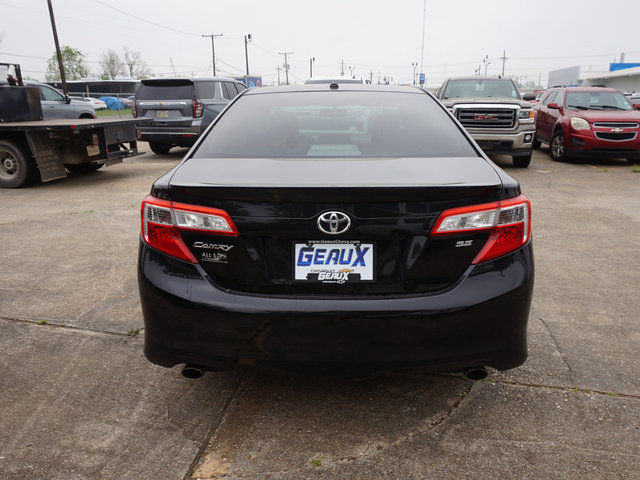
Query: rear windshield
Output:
(335,124)
(597,101)
(177,90)
(481,88)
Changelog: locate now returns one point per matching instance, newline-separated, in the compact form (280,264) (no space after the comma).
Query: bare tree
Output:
(134,65)
(111,65)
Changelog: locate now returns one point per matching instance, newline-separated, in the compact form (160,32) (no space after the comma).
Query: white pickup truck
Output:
(492,110)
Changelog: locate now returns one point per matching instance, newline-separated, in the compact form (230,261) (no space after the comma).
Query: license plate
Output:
(334,261)
(93,150)
(162,114)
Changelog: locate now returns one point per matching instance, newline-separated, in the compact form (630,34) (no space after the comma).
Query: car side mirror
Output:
(636,106)
(67,99)
(554,105)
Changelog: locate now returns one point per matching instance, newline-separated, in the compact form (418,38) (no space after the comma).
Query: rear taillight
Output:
(162,221)
(134,110)
(509,223)
(197,108)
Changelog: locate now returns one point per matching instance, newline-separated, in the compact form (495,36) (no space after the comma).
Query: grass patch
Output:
(125,112)
(133,333)
(41,322)
(316,462)
(635,168)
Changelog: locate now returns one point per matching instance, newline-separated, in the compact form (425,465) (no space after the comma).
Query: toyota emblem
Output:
(334,222)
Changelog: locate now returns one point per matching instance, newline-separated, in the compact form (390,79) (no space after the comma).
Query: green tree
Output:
(73,62)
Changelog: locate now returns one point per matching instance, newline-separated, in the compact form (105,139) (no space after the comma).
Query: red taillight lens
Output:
(134,110)
(162,221)
(508,220)
(197,108)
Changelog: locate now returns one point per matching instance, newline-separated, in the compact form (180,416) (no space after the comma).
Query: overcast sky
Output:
(379,38)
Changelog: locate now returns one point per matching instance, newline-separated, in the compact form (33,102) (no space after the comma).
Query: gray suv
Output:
(180,109)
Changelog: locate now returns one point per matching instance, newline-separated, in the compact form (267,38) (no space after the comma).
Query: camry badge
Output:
(334,222)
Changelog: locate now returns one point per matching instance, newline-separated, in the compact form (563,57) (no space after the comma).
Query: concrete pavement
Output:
(79,401)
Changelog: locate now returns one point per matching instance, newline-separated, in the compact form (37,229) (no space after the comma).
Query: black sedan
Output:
(336,225)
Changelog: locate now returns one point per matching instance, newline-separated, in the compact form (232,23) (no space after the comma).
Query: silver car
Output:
(56,105)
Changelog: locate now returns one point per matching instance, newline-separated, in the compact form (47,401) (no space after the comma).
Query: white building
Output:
(625,80)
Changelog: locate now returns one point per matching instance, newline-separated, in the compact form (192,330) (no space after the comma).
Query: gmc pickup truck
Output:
(494,113)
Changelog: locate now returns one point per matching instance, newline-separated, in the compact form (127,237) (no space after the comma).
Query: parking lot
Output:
(78,400)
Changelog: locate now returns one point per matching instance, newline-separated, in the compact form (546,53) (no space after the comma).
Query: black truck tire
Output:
(15,169)
(522,161)
(159,148)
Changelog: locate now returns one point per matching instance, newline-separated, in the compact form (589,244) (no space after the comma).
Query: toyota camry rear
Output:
(346,226)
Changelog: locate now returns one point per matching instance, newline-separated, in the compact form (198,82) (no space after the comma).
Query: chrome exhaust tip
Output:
(475,373)
(192,371)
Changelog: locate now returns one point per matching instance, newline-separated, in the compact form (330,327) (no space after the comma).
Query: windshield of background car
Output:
(177,90)
(335,124)
(597,101)
(481,88)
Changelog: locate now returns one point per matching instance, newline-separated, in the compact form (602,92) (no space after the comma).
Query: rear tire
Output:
(86,115)
(556,147)
(15,170)
(159,148)
(83,167)
(522,161)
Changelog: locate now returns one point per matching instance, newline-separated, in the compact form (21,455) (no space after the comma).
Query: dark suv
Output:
(180,109)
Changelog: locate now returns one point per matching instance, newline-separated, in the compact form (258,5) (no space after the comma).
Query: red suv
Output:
(587,122)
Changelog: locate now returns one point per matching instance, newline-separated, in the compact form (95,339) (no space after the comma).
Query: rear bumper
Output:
(482,320)
(181,139)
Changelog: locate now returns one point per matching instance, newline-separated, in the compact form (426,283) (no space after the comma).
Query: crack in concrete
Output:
(215,426)
(557,347)
(563,389)
(54,323)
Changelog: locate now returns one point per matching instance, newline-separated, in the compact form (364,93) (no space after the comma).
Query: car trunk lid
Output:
(276,205)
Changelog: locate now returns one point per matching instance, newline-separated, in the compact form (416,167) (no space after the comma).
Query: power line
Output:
(128,14)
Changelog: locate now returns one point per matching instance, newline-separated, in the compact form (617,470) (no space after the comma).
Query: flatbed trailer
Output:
(47,149)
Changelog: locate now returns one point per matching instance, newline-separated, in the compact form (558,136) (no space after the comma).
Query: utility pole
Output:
(63,78)
(247,38)
(311,60)
(342,68)
(278,69)
(424,20)
(213,49)
(286,64)
(351,69)
(370,76)
(414,65)
(503,58)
